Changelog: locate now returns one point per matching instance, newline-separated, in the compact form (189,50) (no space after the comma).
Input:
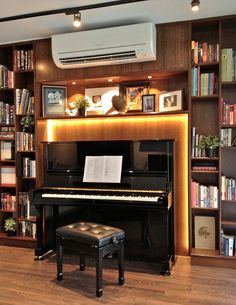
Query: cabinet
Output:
(212,180)
(17,158)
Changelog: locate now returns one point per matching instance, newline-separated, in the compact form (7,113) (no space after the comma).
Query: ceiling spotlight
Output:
(77,19)
(195,5)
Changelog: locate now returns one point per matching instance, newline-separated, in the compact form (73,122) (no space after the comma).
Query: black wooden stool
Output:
(95,240)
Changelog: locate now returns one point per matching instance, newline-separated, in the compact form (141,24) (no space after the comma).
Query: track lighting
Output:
(195,5)
(77,19)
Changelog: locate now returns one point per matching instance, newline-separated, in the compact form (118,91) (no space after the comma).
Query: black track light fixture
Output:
(195,5)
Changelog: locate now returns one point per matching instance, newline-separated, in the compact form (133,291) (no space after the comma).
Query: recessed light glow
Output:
(149,77)
(73,83)
(110,80)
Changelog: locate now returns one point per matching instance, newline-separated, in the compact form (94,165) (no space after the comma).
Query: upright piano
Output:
(141,203)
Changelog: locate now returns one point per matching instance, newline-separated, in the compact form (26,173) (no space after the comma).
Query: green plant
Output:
(81,102)
(209,142)
(10,224)
(27,122)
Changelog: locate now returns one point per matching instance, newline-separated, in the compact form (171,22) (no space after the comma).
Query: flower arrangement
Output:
(10,225)
(209,142)
(79,105)
(27,122)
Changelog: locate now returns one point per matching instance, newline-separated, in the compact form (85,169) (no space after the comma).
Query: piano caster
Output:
(60,276)
(121,281)
(165,273)
(99,292)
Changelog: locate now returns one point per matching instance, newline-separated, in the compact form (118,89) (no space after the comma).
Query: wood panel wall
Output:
(173,45)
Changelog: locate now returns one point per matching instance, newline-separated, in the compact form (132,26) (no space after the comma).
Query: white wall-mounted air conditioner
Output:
(117,45)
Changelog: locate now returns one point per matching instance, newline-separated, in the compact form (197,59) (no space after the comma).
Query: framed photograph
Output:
(100,99)
(204,227)
(170,101)
(133,94)
(148,102)
(54,100)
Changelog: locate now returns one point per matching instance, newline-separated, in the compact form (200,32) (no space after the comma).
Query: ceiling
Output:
(158,11)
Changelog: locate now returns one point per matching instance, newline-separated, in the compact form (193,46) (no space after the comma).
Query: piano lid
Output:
(147,164)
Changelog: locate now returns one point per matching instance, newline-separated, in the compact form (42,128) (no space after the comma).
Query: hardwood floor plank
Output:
(24,281)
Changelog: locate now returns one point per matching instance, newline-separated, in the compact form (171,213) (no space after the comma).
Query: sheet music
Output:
(102,169)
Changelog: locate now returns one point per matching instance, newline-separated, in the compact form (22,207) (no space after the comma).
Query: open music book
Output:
(103,169)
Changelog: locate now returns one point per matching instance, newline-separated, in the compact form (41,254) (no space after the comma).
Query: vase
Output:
(82,111)
(210,152)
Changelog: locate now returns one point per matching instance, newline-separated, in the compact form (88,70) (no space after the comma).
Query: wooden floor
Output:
(28,282)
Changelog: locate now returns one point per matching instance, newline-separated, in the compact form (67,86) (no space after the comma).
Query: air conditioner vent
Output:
(100,57)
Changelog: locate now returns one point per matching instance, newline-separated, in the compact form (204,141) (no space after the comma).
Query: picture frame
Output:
(54,99)
(170,101)
(204,232)
(100,99)
(148,102)
(132,93)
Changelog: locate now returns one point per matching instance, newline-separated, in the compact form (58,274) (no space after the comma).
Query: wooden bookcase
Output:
(19,60)
(206,113)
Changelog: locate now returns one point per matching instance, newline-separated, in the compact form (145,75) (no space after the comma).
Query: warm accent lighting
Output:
(195,5)
(166,126)
(73,83)
(110,80)
(77,19)
(149,77)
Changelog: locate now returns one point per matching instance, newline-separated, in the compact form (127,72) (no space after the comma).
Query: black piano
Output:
(141,204)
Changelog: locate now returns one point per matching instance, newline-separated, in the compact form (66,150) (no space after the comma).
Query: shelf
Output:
(204,158)
(205,252)
(226,84)
(30,178)
(7,161)
(8,185)
(205,97)
(228,223)
(23,71)
(228,201)
(7,211)
(205,209)
(206,64)
(228,126)
(205,172)
(25,151)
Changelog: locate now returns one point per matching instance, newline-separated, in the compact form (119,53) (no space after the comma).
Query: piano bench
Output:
(95,240)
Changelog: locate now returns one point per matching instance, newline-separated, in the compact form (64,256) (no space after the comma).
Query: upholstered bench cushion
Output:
(90,233)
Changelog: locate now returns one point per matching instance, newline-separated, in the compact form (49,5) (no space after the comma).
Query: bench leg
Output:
(121,278)
(59,259)
(99,284)
(82,262)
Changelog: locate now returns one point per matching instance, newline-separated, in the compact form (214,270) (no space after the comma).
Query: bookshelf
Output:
(214,114)
(204,113)
(16,145)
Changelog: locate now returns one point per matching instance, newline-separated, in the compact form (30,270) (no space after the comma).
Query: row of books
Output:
(29,167)
(228,112)
(23,60)
(228,244)
(196,139)
(203,52)
(24,141)
(24,101)
(6,113)
(203,196)
(8,175)
(7,132)
(227,138)
(7,150)
(26,210)
(8,201)
(228,188)
(203,84)
(228,65)
(6,77)
(27,228)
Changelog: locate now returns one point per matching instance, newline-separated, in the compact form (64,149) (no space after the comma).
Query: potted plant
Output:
(10,226)
(27,123)
(81,104)
(209,143)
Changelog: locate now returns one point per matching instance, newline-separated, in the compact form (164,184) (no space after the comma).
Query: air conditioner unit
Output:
(117,45)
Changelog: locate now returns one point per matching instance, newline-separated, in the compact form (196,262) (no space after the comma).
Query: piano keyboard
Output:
(102,197)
